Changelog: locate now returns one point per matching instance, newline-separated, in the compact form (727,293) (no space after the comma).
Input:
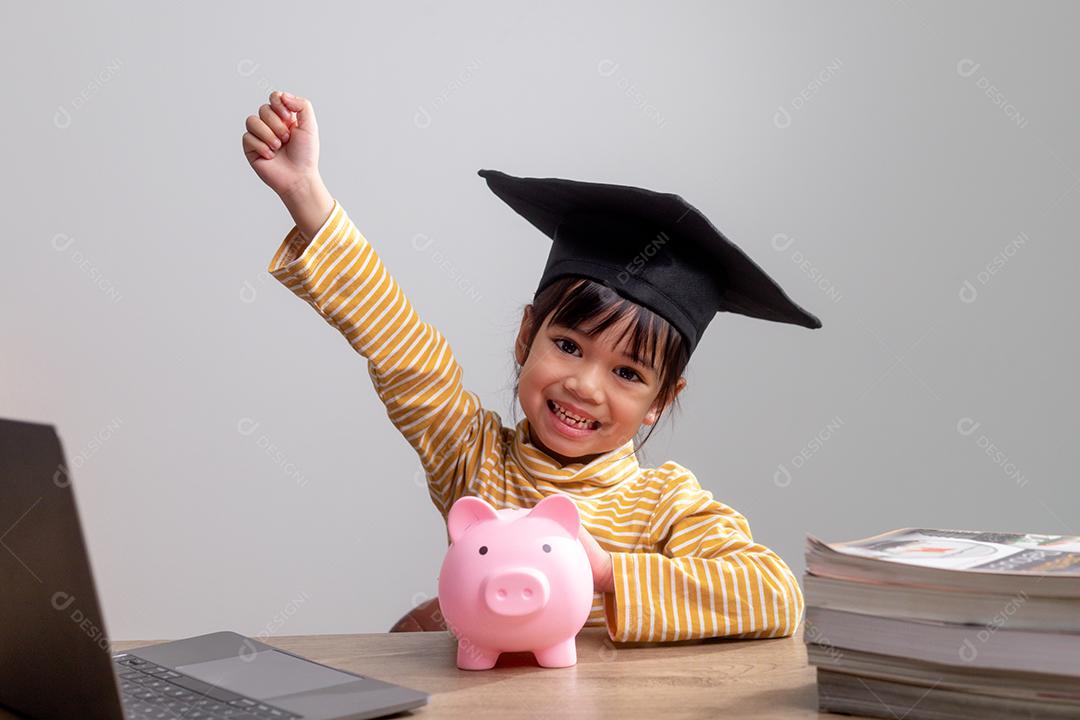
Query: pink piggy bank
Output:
(515,580)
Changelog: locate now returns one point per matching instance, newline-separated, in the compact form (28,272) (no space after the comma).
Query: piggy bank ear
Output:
(466,511)
(561,509)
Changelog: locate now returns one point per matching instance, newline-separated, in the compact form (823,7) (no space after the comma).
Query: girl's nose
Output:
(585,386)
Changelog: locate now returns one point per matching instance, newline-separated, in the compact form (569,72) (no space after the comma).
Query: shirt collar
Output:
(605,470)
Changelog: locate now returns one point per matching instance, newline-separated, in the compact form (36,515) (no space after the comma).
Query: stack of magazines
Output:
(945,624)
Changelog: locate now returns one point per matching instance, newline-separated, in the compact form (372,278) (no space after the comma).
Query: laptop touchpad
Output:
(266,674)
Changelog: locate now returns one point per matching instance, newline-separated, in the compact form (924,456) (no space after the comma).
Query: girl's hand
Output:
(282,143)
(600,560)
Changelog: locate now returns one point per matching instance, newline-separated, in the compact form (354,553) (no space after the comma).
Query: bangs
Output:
(591,308)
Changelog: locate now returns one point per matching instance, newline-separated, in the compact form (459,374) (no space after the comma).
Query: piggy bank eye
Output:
(483,549)
(547,548)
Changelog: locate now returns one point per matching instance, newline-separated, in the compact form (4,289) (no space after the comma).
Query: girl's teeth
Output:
(570,419)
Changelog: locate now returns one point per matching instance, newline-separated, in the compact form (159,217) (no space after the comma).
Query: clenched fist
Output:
(282,143)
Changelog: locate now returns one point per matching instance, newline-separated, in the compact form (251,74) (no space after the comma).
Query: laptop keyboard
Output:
(152,692)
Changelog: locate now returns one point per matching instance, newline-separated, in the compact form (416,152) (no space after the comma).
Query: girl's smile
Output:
(571,421)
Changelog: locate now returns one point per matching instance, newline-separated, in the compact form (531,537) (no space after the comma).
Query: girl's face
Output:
(583,396)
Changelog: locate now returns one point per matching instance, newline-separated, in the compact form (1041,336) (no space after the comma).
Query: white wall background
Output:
(903,156)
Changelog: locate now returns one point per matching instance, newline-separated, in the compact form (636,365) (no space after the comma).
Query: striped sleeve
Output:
(708,577)
(410,363)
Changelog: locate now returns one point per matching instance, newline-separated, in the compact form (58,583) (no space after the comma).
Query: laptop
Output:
(55,658)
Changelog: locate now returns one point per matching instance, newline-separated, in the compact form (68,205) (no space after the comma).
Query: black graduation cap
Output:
(653,248)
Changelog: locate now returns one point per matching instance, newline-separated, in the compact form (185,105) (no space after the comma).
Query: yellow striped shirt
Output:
(685,565)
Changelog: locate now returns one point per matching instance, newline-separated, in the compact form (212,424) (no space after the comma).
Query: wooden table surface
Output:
(713,678)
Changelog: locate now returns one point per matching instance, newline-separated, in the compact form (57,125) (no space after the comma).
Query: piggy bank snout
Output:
(519,591)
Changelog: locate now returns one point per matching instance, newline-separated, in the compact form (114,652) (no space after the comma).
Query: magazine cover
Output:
(1025,553)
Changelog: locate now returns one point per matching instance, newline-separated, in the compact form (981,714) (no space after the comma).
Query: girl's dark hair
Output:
(590,308)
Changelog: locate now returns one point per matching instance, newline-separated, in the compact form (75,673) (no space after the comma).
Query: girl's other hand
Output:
(600,561)
(282,143)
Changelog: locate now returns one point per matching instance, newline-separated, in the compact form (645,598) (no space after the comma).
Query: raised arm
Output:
(410,363)
(327,262)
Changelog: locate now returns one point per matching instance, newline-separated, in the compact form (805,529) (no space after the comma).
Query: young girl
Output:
(600,354)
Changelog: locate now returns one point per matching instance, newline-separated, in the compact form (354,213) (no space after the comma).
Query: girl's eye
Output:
(630,374)
(567,346)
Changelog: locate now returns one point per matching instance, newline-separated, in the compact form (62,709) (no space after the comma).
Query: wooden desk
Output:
(713,678)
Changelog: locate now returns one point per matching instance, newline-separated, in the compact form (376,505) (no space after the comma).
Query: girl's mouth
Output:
(568,423)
